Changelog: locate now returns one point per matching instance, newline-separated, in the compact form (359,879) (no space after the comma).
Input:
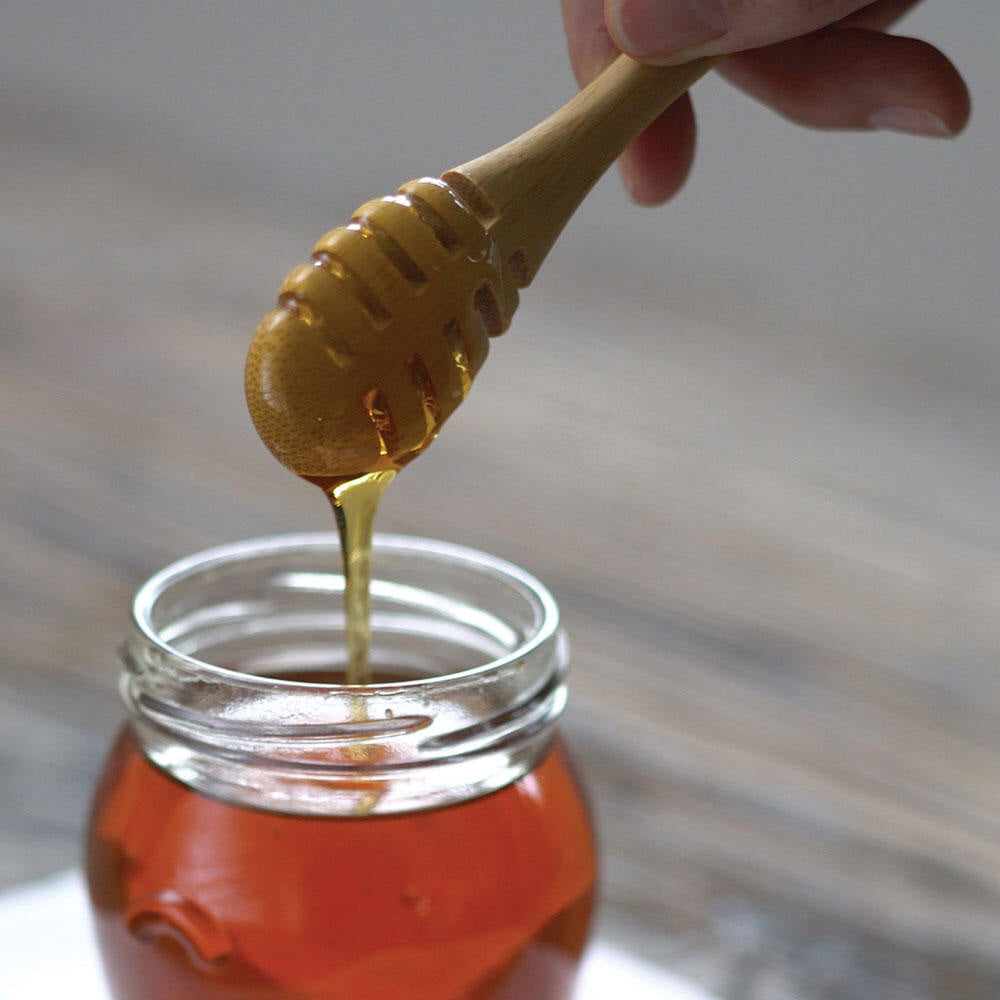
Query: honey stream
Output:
(354,505)
(372,345)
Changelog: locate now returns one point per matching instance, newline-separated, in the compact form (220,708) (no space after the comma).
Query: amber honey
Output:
(266,829)
(196,899)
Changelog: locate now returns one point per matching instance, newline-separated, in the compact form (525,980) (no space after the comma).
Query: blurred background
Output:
(749,440)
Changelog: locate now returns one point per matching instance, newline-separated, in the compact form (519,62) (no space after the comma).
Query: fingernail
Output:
(654,27)
(914,121)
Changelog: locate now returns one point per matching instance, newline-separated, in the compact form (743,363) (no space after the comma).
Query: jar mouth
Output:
(476,660)
(162,630)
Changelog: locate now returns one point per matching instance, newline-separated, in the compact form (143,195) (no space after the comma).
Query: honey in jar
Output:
(264,831)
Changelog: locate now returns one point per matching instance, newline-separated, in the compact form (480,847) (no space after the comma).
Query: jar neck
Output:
(477,639)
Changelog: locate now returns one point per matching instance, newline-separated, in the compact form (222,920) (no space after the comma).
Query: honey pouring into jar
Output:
(264,831)
(376,339)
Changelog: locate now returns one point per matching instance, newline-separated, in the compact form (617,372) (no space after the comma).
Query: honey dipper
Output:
(376,339)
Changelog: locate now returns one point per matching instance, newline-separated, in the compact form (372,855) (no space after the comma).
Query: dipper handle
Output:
(525,191)
(375,340)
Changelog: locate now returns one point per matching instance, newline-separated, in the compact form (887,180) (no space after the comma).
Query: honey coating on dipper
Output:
(375,341)
(373,344)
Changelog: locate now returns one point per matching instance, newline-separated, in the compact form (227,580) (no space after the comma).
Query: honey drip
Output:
(355,504)
(374,343)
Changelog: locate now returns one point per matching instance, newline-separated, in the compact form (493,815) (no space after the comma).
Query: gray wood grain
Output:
(772,532)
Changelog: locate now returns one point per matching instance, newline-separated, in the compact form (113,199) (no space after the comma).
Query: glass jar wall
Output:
(261,831)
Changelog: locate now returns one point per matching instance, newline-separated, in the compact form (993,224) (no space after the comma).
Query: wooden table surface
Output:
(773,531)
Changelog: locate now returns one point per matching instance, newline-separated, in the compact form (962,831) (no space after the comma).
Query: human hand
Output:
(823,63)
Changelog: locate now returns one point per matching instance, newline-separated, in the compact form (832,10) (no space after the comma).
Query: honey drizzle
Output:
(354,504)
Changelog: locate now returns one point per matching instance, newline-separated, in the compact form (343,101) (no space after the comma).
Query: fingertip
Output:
(856,78)
(656,165)
(936,100)
(654,31)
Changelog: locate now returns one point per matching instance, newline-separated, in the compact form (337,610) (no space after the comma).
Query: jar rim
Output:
(266,741)
(217,557)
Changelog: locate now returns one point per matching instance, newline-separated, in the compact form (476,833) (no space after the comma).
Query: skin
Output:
(821,63)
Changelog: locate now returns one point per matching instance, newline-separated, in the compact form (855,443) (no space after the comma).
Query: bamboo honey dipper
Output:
(376,339)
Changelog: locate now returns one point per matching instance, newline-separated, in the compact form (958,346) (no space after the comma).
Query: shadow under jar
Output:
(262,831)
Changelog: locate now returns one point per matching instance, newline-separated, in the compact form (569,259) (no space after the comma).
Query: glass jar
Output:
(261,831)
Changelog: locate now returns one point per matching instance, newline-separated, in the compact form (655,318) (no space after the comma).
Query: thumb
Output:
(668,31)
